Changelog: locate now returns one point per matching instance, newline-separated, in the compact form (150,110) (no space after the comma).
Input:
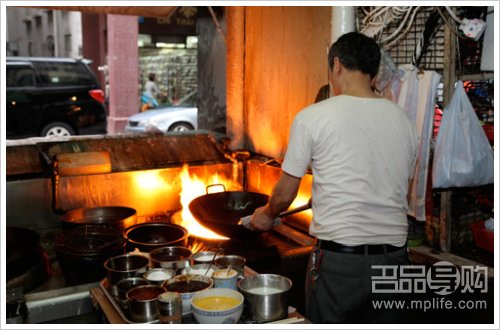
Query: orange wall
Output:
(285,65)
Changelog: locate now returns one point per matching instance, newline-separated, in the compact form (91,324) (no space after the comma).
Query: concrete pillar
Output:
(123,61)
(94,42)
(343,21)
(235,77)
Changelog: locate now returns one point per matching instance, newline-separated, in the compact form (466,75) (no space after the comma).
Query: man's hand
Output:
(261,219)
(283,194)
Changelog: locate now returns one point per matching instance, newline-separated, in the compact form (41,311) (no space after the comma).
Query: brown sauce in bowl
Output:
(185,286)
(144,294)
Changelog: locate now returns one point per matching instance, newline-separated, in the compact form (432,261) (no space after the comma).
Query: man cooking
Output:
(362,150)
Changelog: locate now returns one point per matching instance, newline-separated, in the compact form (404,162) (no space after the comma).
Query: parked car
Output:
(52,96)
(165,119)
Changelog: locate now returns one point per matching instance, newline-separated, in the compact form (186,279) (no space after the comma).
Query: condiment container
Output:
(225,278)
(126,284)
(170,307)
(232,261)
(158,275)
(143,302)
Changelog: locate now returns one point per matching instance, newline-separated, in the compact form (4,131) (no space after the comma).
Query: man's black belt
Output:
(358,249)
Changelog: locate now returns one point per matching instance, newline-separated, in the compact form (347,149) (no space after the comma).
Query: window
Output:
(63,73)
(20,76)
(67,44)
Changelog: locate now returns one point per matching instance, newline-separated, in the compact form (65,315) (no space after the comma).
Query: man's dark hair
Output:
(356,52)
(152,76)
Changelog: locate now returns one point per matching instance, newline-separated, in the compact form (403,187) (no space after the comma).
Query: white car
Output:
(167,119)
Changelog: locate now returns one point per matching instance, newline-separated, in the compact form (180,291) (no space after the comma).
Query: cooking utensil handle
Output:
(295,210)
(215,185)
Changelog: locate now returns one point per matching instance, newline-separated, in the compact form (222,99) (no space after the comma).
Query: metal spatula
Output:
(245,221)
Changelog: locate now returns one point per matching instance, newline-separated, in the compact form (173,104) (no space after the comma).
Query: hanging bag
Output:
(463,156)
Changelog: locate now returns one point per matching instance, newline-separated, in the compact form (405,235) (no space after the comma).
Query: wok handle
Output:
(295,210)
(214,189)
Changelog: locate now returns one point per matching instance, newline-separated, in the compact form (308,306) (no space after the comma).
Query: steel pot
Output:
(266,296)
(126,284)
(232,261)
(112,217)
(205,257)
(171,257)
(143,302)
(152,235)
(124,266)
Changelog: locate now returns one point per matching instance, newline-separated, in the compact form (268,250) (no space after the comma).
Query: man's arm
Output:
(283,194)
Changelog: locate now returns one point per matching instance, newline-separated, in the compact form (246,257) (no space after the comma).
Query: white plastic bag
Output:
(463,156)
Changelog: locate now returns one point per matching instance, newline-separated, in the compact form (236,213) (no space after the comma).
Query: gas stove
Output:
(147,181)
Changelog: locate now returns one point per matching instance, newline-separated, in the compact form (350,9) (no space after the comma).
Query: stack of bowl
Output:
(124,266)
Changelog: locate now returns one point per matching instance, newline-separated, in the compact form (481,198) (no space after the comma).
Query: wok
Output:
(221,212)
(108,217)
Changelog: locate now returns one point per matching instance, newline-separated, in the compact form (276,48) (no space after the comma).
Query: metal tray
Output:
(103,284)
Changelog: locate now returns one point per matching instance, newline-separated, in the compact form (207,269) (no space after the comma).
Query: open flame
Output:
(193,187)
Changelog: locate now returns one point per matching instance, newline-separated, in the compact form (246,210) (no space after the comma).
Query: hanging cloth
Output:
(415,92)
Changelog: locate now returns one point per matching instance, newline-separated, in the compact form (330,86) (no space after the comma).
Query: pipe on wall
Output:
(343,21)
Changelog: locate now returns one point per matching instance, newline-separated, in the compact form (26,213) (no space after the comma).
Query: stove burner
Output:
(261,251)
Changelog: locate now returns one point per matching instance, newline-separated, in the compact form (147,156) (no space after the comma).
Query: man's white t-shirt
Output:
(362,152)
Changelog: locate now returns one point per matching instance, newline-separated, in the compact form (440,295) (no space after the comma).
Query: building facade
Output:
(42,32)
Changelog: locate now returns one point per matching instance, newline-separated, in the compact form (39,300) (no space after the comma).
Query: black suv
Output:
(52,96)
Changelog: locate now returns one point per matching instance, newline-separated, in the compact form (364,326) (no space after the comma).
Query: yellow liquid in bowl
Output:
(216,303)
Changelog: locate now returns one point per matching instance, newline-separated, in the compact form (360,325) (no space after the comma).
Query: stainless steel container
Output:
(143,302)
(266,296)
(124,266)
(200,269)
(232,261)
(158,275)
(204,257)
(175,258)
(126,284)
(170,308)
